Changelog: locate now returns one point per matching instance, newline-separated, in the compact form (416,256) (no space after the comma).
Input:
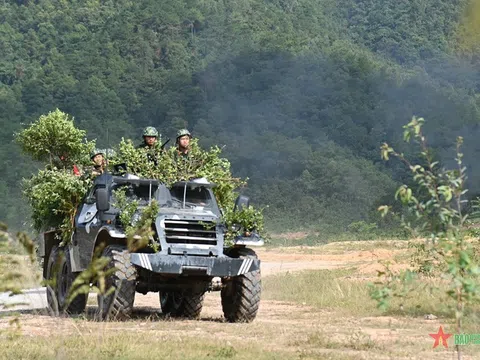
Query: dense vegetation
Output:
(301,93)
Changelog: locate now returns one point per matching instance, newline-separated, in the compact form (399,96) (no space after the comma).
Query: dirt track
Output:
(274,261)
(279,326)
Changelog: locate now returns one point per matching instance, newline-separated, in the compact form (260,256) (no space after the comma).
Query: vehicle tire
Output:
(59,269)
(118,305)
(182,304)
(170,302)
(51,278)
(241,294)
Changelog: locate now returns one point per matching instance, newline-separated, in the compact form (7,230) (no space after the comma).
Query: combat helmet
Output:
(183,132)
(150,131)
(96,152)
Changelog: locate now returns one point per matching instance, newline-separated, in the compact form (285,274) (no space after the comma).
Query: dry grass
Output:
(21,270)
(133,344)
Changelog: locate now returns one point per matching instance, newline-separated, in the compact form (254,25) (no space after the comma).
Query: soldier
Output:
(151,138)
(183,142)
(151,143)
(99,163)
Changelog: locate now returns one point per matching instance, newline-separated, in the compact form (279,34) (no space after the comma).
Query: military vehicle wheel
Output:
(241,294)
(170,302)
(59,269)
(181,304)
(119,303)
(52,269)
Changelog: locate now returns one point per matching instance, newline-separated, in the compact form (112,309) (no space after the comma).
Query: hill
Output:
(301,93)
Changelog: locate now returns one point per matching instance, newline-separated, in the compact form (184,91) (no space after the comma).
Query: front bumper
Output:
(198,265)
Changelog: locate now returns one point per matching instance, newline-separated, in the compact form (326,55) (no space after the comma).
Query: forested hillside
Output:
(301,92)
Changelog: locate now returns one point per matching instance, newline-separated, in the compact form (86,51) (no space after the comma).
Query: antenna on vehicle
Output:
(184,194)
(149,192)
(106,159)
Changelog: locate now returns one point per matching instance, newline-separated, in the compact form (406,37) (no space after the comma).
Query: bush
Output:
(54,196)
(436,204)
(54,139)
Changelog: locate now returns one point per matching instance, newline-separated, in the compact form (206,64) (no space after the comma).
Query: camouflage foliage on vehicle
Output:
(55,192)
(53,139)
(171,166)
(54,196)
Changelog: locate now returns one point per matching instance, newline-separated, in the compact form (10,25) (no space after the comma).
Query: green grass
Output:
(317,239)
(325,289)
(339,290)
(309,240)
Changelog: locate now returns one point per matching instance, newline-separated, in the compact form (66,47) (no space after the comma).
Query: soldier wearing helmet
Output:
(99,164)
(151,143)
(183,142)
(151,138)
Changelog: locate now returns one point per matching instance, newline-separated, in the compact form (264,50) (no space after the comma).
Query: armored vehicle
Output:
(190,256)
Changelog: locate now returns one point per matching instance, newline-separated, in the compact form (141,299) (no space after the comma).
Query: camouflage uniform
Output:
(180,154)
(94,170)
(152,151)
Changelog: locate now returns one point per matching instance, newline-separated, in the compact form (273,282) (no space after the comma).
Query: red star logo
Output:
(440,335)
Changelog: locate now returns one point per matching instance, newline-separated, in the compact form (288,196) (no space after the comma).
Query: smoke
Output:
(274,111)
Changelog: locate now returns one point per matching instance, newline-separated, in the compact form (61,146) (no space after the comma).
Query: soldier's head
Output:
(150,136)
(183,139)
(98,157)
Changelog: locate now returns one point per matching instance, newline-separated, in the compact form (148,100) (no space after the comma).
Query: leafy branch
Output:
(437,204)
(53,196)
(137,221)
(243,222)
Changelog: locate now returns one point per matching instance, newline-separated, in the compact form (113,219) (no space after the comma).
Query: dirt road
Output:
(274,261)
(295,329)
